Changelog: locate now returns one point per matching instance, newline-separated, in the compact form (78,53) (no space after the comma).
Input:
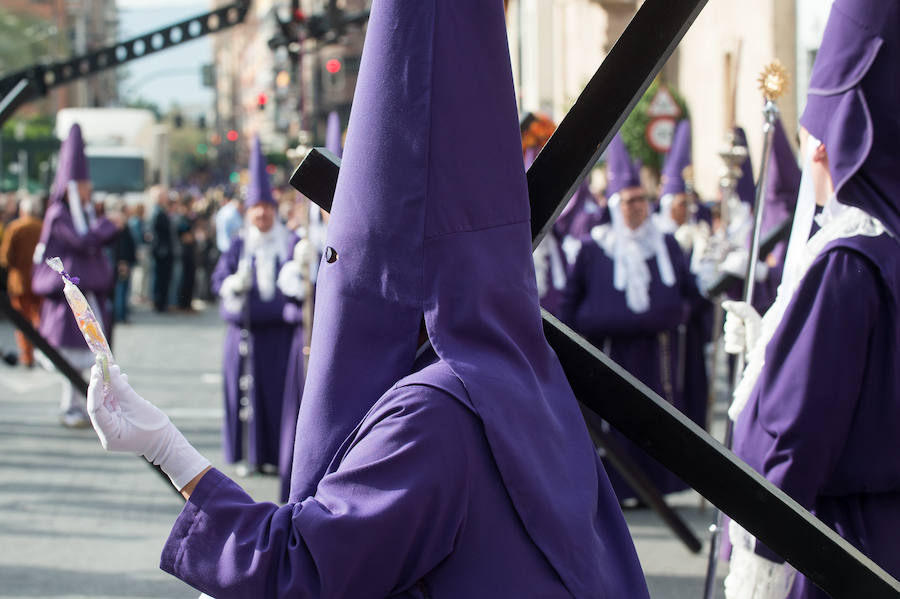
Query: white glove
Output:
(234,288)
(735,263)
(751,576)
(291,281)
(742,327)
(131,423)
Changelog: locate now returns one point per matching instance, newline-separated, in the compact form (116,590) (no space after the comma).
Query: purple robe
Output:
(83,257)
(360,534)
(645,344)
(822,420)
(273,326)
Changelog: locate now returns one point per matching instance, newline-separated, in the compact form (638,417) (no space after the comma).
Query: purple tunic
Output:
(821,423)
(645,344)
(82,256)
(273,325)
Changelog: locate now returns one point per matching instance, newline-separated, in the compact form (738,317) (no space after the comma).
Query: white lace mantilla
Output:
(848,222)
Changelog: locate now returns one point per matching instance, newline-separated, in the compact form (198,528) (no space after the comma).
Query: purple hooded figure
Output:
(262,322)
(818,410)
(72,231)
(677,202)
(629,291)
(463,472)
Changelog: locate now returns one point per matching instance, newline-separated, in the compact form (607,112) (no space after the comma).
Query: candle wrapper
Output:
(88,324)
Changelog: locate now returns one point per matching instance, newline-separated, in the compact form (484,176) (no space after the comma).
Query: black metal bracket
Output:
(43,77)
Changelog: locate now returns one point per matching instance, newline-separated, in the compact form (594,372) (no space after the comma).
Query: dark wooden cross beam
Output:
(610,391)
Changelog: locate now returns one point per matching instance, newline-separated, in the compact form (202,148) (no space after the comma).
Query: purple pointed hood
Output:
(333,140)
(621,170)
(73,164)
(746,188)
(678,158)
(260,189)
(431,220)
(576,205)
(782,181)
(854,92)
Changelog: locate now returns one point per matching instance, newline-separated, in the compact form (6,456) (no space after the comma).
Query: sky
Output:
(173,75)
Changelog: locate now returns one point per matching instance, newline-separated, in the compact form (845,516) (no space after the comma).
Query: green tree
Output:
(634,129)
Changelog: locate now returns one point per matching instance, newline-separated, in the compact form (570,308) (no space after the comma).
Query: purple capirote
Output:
(401,473)
(259,189)
(621,170)
(677,159)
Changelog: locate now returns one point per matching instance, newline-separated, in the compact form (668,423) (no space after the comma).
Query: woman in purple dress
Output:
(818,409)
(465,470)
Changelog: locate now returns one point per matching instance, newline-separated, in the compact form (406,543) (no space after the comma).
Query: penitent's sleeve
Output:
(802,408)
(386,517)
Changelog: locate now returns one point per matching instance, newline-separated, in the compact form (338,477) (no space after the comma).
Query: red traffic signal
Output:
(261,100)
(333,66)
(232,135)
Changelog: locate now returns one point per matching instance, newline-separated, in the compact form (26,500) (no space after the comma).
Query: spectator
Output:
(16,254)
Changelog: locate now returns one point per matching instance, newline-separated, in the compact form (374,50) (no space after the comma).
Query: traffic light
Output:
(232,135)
(333,66)
(261,101)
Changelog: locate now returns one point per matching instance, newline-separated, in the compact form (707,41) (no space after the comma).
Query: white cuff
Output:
(752,576)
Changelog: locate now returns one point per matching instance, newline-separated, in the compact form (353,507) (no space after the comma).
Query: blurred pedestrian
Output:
(184,223)
(161,250)
(140,278)
(74,232)
(17,255)
(124,258)
(229,220)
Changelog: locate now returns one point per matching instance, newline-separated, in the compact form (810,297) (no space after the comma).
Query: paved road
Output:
(79,523)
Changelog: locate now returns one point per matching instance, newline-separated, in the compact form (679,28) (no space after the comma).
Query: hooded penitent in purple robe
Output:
(638,330)
(822,420)
(470,472)
(697,331)
(79,240)
(272,321)
(745,187)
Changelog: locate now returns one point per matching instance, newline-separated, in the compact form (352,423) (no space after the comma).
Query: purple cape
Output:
(430,222)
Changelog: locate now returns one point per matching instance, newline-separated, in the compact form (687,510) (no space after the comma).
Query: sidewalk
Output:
(77,522)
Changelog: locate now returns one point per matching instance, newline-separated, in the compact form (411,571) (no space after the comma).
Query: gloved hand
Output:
(238,283)
(292,276)
(742,329)
(751,576)
(735,263)
(133,424)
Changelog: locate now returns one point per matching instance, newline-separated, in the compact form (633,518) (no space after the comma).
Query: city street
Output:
(79,523)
